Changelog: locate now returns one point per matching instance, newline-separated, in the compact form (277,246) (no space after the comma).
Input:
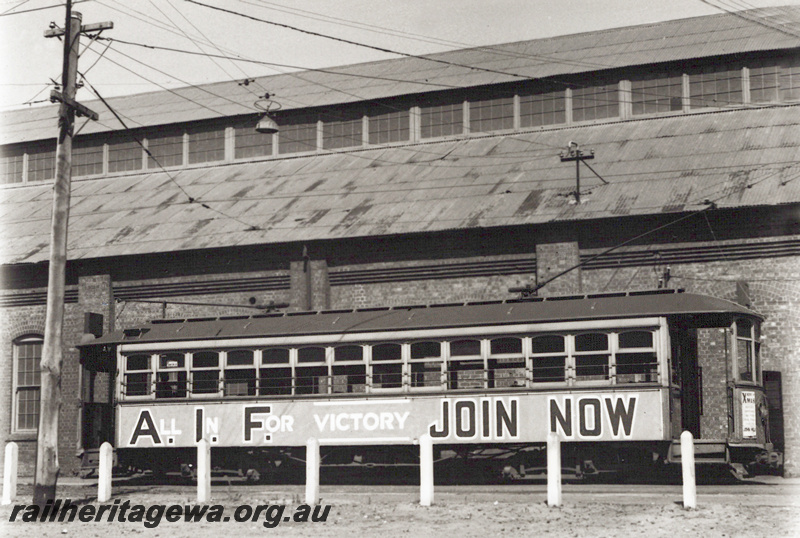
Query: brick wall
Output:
(774,287)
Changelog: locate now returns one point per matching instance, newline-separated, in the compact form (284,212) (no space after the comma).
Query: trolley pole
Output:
(47,467)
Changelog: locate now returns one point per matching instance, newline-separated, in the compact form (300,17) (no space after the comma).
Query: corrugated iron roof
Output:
(697,37)
(738,158)
(405,318)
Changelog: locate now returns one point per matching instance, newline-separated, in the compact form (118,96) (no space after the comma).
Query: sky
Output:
(31,62)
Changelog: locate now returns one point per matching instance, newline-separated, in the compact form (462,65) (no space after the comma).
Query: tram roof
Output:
(664,302)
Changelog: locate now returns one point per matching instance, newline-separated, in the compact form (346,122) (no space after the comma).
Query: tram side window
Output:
(506,363)
(592,357)
(240,373)
(426,365)
(171,377)
(748,349)
(275,374)
(205,372)
(548,358)
(311,374)
(636,358)
(465,368)
(349,369)
(387,366)
(137,376)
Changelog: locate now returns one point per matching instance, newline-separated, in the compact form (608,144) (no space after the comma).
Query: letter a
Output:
(145,427)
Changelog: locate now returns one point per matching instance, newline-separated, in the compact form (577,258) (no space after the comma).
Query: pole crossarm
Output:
(79,109)
(85,29)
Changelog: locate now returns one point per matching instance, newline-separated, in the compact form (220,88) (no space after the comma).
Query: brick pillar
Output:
(96,294)
(310,287)
(551,259)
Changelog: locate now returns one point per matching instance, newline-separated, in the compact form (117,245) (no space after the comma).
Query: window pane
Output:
(11,160)
(461,348)
(491,114)
(311,354)
(442,117)
(137,384)
(636,339)
(350,378)
(790,79)
(744,359)
(764,83)
(87,157)
(275,381)
(501,346)
(42,162)
(275,356)
(312,380)
(205,359)
(423,350)
(388,125)
(342,130)
(171,360)
(591,367)
(591,342)
(171,385)
(28,409)
(28,355)
(387,376)
(249,143)
(595,102)
(545,108)
(348,353)
(205,381)
(124,154)
(137,362)
(240,382)
(426,374)
(240,357)
(206,144)
(657,92)
(637,367)
(166,148)
(548,369)
(386,352)
(548,344)
(297,134)
(715,86)
(744,328)
(465,374)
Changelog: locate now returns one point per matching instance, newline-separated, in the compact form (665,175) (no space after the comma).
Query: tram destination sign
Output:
(601,416)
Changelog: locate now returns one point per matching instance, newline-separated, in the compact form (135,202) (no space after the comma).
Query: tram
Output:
(618,376)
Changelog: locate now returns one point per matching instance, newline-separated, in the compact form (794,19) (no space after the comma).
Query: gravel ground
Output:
(589,512)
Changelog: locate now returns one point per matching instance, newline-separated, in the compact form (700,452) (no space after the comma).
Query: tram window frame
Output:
(267,364)
(350,369)
(653,376)
(130,371)
(248,381)
(390,365)
(457,364)
(495,366)
(317,368)
(568,367)
(608,353)
(164,375)
(413,362)
(205,371)
(751,343)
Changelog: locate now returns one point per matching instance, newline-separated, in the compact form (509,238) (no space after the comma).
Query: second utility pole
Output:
(47,467)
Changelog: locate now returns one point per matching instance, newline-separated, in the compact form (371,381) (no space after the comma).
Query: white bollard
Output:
(10,473)
(203,471)
(553,469)
(687,466)
(425,470)
(312,471)
(104,468)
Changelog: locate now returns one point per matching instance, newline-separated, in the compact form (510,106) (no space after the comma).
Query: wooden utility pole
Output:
(47,467)
(574,153)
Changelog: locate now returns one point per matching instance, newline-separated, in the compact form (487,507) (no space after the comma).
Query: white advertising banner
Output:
(589,416)
(749,414)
